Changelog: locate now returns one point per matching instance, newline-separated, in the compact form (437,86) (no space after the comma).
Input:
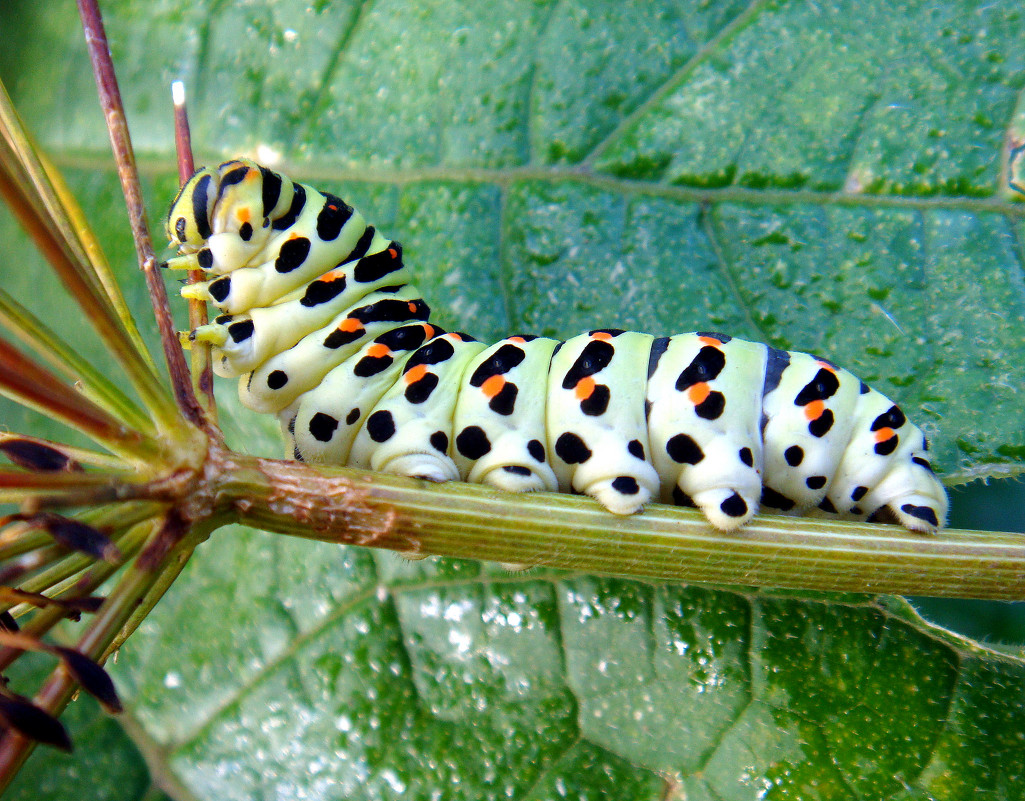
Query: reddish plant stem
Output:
(183,141)
(32,385)
(117,126)
(202,364)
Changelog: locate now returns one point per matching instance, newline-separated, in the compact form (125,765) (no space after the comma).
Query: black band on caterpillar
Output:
(326,332)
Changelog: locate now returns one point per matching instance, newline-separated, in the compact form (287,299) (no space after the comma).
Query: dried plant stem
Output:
(58,208)
(24,185)
(93,302)
(117,126)
(94,254)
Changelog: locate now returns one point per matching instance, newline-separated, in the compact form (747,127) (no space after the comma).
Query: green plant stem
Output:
(67,488)
(83,583)
(96,386)
(24,536)
(75,271)
(574,533)
(73,563)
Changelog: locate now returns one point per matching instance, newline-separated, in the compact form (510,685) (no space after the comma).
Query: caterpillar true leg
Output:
(326,332)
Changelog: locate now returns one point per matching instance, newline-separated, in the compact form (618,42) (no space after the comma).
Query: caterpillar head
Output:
(239,197)
(188,220)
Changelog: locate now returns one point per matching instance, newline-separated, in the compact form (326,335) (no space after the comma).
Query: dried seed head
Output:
(87,603)
(93,678)
(80,537)
(36,456)
(24,717)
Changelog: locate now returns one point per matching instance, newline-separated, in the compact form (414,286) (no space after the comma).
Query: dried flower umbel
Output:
(84,515)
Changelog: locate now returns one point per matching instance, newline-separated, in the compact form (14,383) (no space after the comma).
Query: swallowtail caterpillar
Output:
(321,323)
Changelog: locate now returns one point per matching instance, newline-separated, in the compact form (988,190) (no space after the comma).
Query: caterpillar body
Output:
(326,332)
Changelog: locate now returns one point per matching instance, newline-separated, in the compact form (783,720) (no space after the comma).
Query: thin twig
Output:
(117,126)
(182,134)
(202,362)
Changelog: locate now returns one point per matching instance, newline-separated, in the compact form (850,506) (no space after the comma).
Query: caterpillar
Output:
(325,330)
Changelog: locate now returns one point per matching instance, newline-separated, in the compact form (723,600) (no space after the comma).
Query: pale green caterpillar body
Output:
(326,332)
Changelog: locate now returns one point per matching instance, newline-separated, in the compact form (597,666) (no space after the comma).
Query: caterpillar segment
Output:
(408,433)
(324,330)
(500,417)
(597,435)
(279,380)
(325,420)
(706,438)
(247,339)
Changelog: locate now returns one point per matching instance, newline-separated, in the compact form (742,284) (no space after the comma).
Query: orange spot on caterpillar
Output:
(825,366)
(243,215)
(698,393)
(350,324)
(814,410)
(412,306)
(603,336)
(377,350)
(334,275)
(517,340)
(429,330)
(584,388)
(414,374)
(393,253)
(715,343)
(492,386)
(884,434)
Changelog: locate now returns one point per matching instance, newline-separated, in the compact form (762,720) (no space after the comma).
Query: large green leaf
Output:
(823,177)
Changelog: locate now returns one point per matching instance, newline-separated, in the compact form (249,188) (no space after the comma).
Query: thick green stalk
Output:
(574,533)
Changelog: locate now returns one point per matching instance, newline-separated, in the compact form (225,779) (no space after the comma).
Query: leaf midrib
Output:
(507,176)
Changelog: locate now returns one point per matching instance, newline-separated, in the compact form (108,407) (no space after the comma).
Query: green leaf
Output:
(827,177)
